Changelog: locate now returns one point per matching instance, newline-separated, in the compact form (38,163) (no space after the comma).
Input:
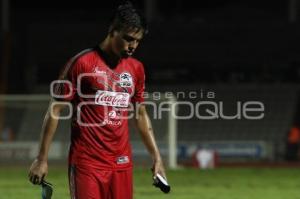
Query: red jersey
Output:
(101,97)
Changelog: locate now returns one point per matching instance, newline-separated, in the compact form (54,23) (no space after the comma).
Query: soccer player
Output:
(104,81)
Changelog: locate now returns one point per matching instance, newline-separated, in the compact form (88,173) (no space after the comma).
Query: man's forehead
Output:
(134,32)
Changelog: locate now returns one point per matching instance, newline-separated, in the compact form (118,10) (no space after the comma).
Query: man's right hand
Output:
(37,171)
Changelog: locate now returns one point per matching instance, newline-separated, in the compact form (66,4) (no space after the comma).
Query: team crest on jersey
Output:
(125,80)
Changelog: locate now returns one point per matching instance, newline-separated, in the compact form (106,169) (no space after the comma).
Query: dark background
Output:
(189,41)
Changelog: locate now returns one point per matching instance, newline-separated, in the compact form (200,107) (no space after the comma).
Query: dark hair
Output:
(128,17)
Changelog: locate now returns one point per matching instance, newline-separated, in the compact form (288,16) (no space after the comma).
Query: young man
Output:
(103,82)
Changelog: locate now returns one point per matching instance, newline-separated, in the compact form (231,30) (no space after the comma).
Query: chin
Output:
(125,55)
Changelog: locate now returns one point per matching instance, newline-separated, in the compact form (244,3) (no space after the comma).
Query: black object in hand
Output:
(160,182)
(47,190)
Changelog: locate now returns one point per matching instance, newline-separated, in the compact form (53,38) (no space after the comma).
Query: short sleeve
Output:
(139,86)
(65,87)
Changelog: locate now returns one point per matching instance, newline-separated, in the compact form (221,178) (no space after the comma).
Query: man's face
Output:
(124,43)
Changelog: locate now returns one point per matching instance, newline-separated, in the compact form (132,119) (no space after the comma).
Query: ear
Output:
(110,31)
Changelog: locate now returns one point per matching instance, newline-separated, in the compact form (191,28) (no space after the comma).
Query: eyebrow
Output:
(128,37)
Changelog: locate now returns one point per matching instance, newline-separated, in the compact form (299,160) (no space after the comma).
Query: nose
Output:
(130,48)
(132,45)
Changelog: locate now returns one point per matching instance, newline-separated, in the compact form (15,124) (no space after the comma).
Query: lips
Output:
(129,52)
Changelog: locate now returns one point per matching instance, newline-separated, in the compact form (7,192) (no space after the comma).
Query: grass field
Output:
(222,183)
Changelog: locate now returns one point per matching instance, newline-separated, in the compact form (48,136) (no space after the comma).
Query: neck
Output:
(109,56)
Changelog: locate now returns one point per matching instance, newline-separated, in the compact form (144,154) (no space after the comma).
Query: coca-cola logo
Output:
(115,99)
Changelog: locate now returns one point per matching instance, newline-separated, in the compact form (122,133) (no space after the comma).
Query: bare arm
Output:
(145,128)
(39,167)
